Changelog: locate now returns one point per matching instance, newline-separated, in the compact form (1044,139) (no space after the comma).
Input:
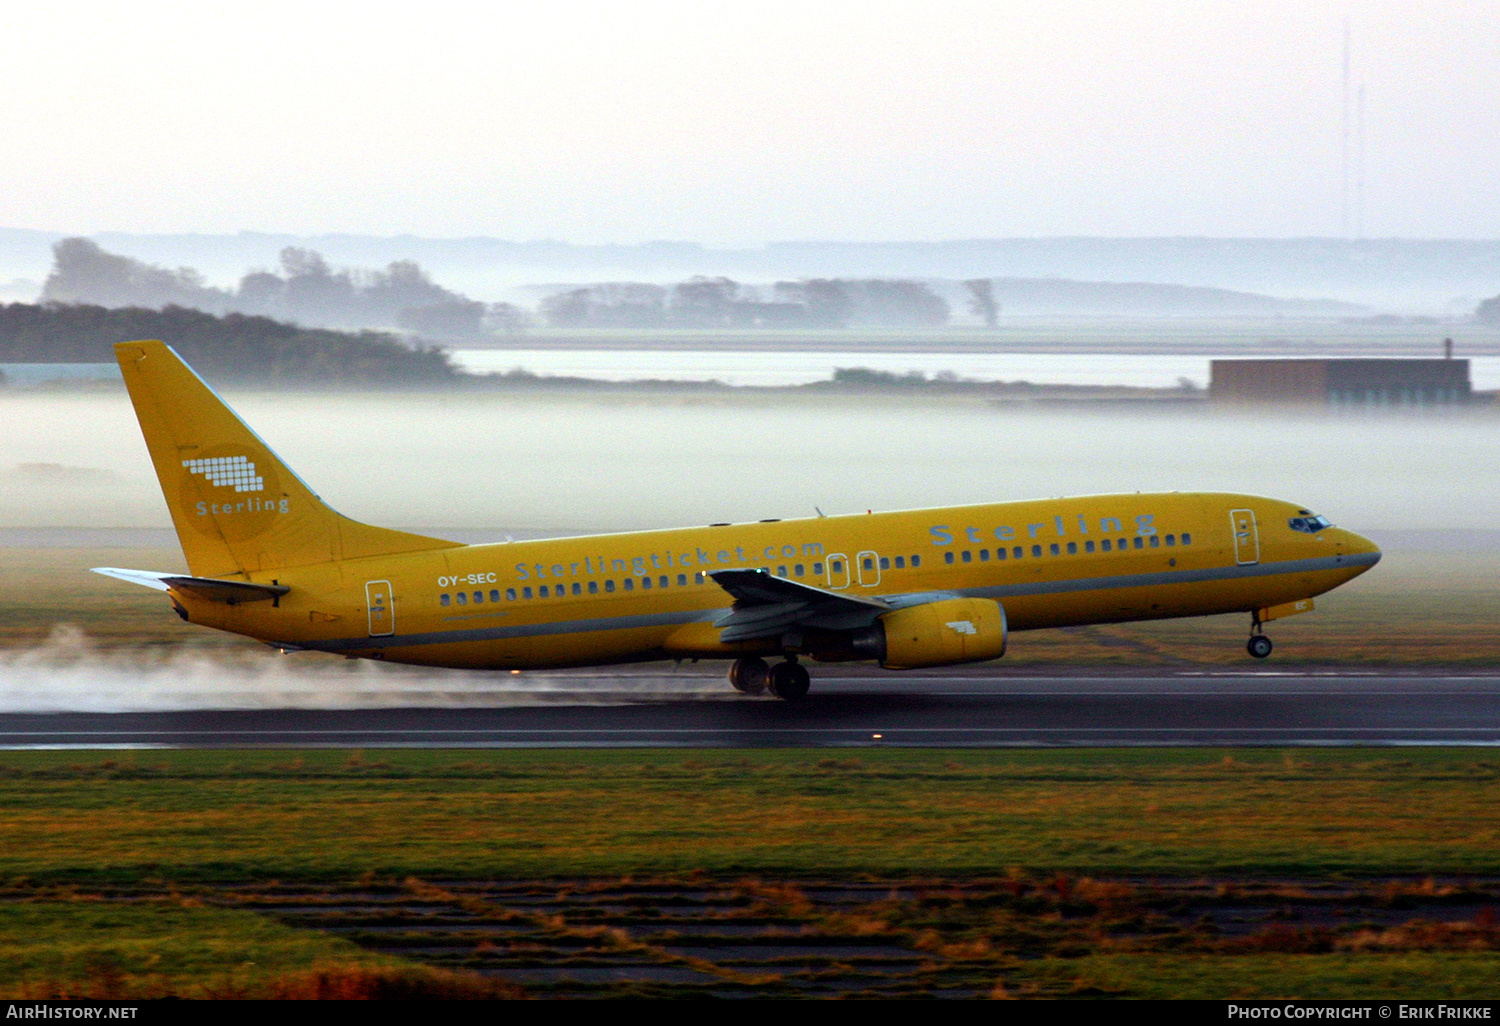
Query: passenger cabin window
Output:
(463,599)
(885,563)
(1187,539)
(444,599)
(609,585)
(577,588)
(1054,549)
(838,566)
(542,592)
(817,570)
(1018,552)
(916,561)
(1171,539)
(495,595)
(1088,546)
(984,555)
(526,593)
(1139,543)
(682,580)
(968,556)
(869,563)
(593,587)
(947,557)
(629,584)
(999,553)
(645,582)
(510,593)
(698,577)
(663,581)
(799,570)
(1105,545)
(900,563)
(1155,541)
(1036,551)
(1072,548)
(781,571)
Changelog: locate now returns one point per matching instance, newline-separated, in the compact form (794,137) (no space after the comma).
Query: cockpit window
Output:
(1309,524)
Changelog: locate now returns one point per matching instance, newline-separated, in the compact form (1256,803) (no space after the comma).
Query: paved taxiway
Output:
(962,707)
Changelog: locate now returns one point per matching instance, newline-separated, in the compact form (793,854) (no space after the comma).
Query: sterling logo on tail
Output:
(235,472)
(251,509)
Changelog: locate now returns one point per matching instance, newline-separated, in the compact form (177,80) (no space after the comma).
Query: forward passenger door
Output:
(1246,536)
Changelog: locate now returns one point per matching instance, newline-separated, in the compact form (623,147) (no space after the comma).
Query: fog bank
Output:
(549,462)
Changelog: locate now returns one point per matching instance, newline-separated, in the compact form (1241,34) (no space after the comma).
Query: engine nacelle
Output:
(943,633)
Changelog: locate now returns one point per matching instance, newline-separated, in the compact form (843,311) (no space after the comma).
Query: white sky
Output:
(739,124)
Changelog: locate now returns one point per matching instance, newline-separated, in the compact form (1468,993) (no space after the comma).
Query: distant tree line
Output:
(723,303)
(1489,312)
(307,291)
(233,347)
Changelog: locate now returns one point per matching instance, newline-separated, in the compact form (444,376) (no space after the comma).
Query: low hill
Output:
(233,348)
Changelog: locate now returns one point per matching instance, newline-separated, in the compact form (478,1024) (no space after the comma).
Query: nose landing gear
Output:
(753,676)
(1259,645)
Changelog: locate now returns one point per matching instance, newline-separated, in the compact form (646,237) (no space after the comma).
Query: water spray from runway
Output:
(69,673)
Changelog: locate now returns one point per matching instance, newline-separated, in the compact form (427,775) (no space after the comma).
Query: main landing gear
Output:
(753,676)
(1259,645)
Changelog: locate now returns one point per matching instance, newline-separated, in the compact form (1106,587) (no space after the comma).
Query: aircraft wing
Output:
(229,592)
(765,605)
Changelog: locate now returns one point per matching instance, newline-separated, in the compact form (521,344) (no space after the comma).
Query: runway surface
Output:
(963,708)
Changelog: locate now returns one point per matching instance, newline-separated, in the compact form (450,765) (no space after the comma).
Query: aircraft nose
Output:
(1359,545)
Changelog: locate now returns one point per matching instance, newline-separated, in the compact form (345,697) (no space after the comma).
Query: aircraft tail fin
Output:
(237,508)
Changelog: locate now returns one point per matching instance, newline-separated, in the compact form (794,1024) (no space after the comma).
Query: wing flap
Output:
(765,606)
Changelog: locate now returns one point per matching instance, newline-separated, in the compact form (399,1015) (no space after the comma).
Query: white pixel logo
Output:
(235,472)
(962,627)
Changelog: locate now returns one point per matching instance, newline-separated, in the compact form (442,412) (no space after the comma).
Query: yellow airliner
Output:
(917,588)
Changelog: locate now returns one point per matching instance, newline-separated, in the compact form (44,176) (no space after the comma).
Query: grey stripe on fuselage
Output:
(1218,573)
(623,623)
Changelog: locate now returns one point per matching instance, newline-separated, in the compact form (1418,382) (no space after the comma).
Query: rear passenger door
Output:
(381,608)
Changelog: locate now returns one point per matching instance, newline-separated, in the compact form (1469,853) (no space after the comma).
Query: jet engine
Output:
(932,634)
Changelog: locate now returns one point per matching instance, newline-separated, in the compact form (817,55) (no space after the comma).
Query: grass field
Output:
(1020,872)
(85,947)
(680,937)
(232,816)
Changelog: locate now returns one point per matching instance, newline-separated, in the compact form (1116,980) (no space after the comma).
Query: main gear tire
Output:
(751,676)
(790,681)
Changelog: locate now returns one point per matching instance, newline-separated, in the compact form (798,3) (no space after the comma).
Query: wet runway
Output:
(960,708)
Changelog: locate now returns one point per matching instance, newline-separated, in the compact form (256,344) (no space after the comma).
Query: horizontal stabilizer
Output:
(229,592)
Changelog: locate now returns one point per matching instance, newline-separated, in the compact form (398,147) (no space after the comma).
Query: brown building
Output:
(1388,383)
